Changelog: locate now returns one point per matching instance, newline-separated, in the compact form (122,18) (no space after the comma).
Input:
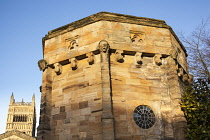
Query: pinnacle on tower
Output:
(12,100)
(33,99)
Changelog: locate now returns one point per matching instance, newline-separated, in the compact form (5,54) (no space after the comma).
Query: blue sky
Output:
(23,23)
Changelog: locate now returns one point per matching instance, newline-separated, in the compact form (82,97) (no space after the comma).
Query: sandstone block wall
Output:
(90,92)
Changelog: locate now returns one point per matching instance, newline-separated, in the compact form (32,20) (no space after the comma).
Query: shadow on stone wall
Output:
(163,129)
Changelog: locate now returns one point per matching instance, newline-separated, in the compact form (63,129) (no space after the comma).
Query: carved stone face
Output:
(138,57)
(104,46)
(58,68)
(42,64)
(174,54)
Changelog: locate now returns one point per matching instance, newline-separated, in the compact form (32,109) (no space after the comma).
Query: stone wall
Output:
(97,72)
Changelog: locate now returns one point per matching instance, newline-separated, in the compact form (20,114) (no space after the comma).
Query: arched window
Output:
(19,118)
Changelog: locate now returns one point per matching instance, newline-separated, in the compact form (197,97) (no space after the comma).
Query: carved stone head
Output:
(185,78)
(73,62)
(138,57)
(180,72)
(42,64)
(173,54)
(90,56)
(190,78)
(157,59)
(58,68)
(103,46)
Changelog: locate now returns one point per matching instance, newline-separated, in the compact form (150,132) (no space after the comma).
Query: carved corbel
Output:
(138,58)
(73,63)
(157,59)
(185,78)
(118,55)
(42,64)
(103,46)
(173,54)
(58,68)
(177,67)
(190,79)
(90,56)
(180,72)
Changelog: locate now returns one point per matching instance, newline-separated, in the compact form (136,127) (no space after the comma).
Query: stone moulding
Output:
(107,16)
(105,48)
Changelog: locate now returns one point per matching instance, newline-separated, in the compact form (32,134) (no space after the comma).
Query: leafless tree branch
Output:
(198,47)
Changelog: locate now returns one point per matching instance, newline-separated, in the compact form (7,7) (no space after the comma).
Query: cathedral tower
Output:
(112,76)
(21,116)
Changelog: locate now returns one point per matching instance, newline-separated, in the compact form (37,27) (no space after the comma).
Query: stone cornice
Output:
(106,16)
(114,17)
(16,133)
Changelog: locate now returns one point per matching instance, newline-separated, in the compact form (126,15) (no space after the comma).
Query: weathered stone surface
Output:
(60,116)
(83,104)
(112,63)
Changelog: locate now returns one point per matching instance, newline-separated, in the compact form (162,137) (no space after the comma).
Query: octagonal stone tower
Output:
(112,76)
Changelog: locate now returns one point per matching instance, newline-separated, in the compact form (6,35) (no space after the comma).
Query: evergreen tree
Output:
(196,107)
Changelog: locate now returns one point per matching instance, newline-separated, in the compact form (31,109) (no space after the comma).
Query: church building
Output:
(21,120)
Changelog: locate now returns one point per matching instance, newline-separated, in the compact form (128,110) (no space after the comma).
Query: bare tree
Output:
(198,48)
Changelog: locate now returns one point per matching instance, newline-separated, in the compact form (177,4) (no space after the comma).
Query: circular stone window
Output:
(144,117)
